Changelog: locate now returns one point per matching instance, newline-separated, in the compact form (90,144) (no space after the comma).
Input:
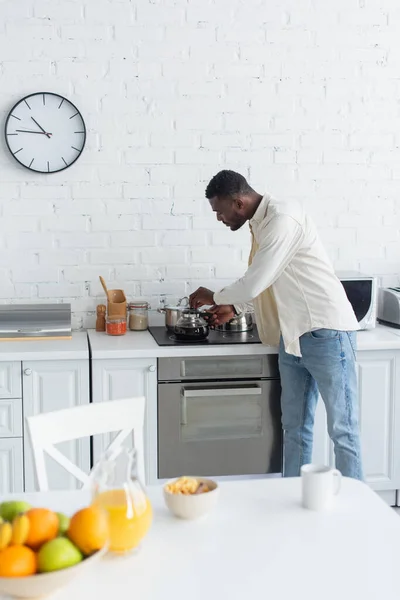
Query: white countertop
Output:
(74,349)
(141,344)
(380,338)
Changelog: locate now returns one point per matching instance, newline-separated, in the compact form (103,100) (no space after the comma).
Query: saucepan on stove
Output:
(242,322)
(174,313)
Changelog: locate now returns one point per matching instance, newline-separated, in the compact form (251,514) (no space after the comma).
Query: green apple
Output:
(9,510)
(63,523)
(58,554)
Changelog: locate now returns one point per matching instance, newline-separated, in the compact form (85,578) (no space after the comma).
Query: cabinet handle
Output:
(28,372)
(152,368)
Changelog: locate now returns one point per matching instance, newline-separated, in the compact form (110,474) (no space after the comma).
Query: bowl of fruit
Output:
(191,497)
(42,551)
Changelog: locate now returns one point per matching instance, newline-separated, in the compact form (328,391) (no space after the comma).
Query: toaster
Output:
(389,306)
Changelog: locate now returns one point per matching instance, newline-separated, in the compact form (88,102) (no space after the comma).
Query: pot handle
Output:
(185,299)
(161,310)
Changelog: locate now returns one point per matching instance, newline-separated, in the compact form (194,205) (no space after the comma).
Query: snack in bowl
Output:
(187,485)
(191,497)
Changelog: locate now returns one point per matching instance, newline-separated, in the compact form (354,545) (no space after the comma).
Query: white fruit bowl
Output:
(43,584)
(192,506)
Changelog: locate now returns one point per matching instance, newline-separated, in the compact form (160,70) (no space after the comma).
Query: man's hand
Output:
(201,297)
(221,314)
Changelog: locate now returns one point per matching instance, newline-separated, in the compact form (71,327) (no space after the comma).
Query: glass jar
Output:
(117,488)
(115,325)
(138,316)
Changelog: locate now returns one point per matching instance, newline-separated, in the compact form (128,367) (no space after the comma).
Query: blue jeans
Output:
(327,366)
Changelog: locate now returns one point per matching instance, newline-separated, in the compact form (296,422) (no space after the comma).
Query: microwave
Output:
(362,292)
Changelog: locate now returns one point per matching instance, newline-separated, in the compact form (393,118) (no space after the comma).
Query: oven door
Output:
(219,428)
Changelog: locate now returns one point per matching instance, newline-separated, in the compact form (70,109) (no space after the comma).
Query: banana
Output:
(20,530)
(5,535)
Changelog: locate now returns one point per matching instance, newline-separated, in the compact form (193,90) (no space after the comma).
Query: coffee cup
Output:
(320,484)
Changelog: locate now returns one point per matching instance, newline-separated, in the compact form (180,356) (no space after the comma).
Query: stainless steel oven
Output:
(219,416)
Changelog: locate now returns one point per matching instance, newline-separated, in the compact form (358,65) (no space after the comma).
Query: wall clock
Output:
(45,132)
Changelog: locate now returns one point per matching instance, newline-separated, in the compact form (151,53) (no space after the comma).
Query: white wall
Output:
(301,96)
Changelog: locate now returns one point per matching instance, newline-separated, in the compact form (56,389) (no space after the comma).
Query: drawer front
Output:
(10,380)
(218,367)
(10,417)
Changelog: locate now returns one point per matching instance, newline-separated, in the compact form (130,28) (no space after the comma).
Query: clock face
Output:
(45,132)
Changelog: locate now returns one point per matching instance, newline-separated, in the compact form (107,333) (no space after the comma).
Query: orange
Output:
(43,526)
(88,529)
(17,561)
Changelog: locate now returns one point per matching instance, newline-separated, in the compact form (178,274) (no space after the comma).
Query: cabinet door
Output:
(378,372)
(49,386)
(11,466)
(10,380)
(379,417)
(127,378)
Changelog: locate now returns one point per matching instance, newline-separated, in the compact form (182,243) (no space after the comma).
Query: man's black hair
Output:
(227,183)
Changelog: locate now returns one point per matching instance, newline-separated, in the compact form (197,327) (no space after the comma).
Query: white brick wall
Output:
(300,96)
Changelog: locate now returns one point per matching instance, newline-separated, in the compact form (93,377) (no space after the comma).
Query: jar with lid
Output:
(138,316)
(116,325)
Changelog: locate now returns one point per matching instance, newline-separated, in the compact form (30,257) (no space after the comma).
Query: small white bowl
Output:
(43,584)
(192,506)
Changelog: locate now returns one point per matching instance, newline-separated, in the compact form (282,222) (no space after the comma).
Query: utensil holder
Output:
(116,304)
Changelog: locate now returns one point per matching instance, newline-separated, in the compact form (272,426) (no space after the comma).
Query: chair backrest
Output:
(46,429)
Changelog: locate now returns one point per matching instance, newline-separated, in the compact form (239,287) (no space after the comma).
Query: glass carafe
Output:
(191,326)
(117,489)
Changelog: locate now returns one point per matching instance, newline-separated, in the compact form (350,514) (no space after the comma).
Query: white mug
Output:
(319,486)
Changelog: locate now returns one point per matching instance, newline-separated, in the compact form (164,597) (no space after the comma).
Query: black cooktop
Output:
(215,338)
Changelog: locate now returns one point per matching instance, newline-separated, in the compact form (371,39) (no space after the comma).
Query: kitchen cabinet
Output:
(50,385)
(379,398)
(11,466)
(116,379)
(11,445)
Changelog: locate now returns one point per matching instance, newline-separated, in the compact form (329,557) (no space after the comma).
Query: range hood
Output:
(35,321)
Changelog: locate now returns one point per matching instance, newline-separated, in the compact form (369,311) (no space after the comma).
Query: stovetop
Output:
(215,338)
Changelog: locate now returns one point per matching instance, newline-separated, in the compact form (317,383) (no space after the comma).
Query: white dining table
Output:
(258,543)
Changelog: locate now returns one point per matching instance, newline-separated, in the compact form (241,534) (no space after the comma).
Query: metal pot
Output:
(240,323)
(191,327)
(173,313)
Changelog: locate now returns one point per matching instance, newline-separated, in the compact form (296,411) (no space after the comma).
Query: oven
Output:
(219,416)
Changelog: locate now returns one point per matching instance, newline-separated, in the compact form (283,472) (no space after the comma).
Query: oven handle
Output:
(214,392)
(251,391)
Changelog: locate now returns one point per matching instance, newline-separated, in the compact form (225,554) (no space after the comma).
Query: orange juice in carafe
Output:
(130,517)
(117,489)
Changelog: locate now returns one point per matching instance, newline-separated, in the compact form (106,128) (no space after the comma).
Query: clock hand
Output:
(28,131)
(40,127)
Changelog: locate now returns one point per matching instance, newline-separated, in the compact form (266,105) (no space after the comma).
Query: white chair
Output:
(50,428)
